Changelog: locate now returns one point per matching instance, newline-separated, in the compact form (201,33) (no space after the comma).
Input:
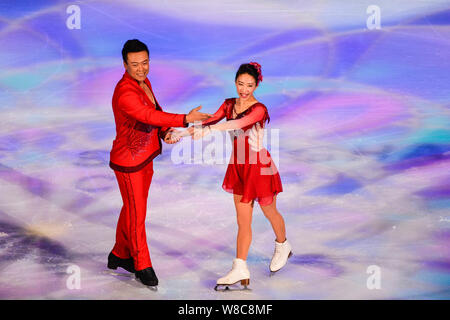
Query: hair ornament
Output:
(258,68)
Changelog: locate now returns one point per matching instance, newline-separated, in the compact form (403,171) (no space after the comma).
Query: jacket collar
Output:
(127,76)
(130,79)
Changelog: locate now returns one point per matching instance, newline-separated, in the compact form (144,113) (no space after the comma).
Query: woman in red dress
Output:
(251,174)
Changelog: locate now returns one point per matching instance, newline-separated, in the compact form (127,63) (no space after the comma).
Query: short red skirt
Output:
(254,180)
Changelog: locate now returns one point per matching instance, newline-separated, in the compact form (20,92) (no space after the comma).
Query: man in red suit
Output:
(140,126)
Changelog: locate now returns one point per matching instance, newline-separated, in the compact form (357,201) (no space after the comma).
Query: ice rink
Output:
(359,128)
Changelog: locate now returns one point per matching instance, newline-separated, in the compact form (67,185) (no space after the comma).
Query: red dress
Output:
(250,173)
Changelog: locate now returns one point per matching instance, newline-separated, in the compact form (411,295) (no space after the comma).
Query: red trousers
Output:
(131,239)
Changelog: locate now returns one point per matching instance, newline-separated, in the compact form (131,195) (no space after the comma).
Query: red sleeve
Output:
(130,103)
(256,114)
(163,132)
(219,115)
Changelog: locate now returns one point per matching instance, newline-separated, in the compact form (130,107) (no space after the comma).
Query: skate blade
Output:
(114,273)
(152,288)
(226,287)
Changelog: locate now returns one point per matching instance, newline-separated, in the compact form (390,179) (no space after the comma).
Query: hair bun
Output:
(258,68)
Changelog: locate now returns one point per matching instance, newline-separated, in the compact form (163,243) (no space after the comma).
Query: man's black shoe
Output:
(114,262)
(147,276)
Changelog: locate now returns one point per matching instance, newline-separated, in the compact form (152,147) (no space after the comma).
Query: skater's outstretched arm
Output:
(256,115)
(216,117)
(219,115)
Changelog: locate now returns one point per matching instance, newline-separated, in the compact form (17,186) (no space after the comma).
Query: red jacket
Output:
(140,125)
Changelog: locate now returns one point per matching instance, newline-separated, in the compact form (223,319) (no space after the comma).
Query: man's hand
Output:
(194,115)
(172,136)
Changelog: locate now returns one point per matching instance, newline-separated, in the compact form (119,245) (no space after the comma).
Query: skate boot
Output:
(147,276)
(114,262)
(239,272)
(281,254)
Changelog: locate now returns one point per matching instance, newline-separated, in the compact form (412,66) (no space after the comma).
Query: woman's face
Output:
(245,85)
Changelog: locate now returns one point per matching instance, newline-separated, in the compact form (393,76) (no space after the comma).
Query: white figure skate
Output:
(239,272)
(281,254)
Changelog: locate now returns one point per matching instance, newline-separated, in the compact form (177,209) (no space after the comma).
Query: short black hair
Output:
(133,45)
(249,69)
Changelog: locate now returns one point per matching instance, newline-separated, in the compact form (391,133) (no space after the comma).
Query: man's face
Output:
(137,65)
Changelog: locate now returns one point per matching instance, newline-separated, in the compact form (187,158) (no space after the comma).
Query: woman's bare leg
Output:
(244,220)
(276,220)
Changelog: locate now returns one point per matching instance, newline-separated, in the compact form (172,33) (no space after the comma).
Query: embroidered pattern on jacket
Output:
(136,140)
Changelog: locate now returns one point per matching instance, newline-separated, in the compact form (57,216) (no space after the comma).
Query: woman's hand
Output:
(191,130)
(200,132)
